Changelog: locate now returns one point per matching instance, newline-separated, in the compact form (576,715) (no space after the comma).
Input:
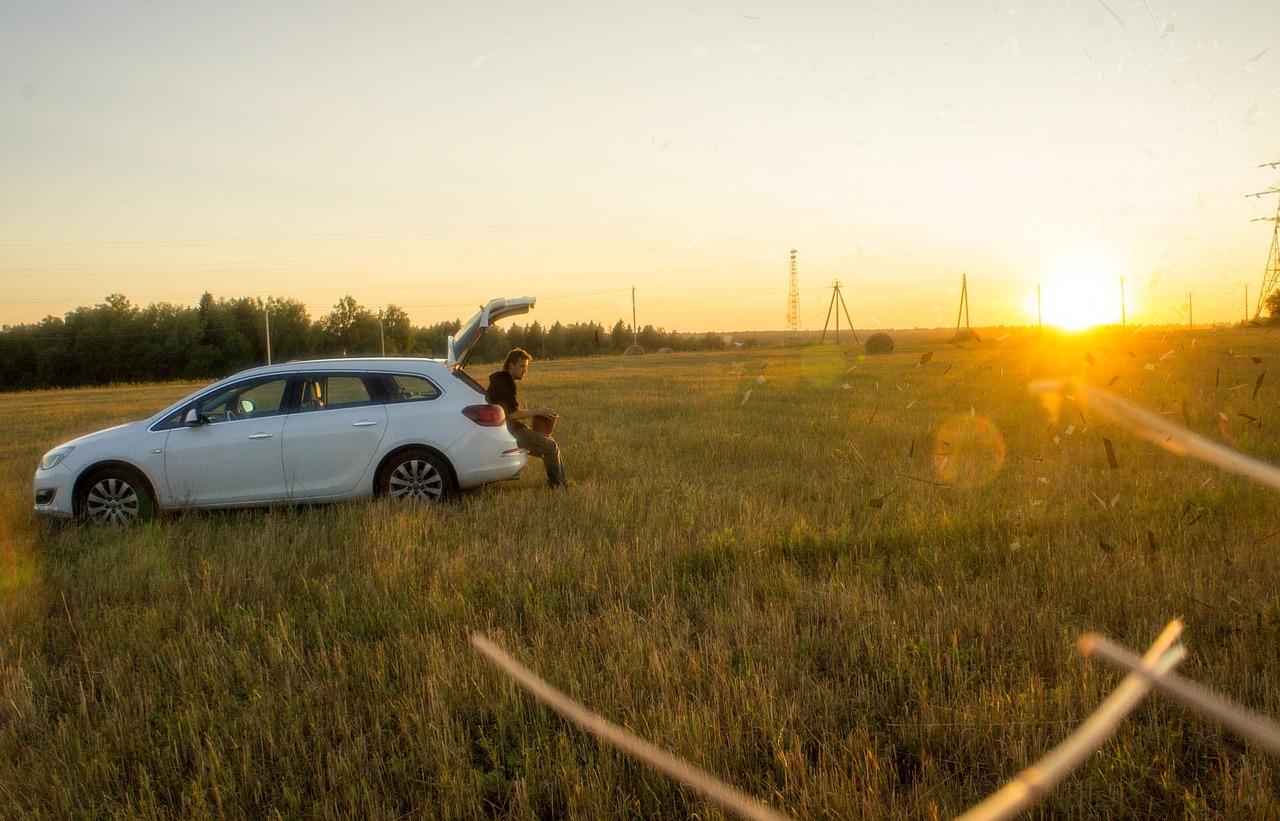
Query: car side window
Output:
(250,399)
(398,387)
(245,400)
(334,391)
(263,399)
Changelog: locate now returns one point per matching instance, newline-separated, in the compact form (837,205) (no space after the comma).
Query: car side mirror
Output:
(192,418)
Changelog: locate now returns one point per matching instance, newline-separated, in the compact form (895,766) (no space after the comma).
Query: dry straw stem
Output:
(724,795)
(1033,783)
(1028,787)
(1156,428)
(1247,724)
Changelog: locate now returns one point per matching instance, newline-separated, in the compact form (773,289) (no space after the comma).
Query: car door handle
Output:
(364,423)
(261,435)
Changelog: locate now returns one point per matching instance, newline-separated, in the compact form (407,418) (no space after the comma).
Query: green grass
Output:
(782,586)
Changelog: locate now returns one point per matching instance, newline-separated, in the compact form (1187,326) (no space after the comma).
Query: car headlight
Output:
(54,457)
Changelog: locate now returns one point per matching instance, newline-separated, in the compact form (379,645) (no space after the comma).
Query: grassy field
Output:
(849,586)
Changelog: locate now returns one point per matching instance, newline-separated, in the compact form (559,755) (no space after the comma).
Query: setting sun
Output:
(1080,295)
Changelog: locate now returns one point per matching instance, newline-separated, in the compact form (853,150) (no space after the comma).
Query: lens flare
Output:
(969,451)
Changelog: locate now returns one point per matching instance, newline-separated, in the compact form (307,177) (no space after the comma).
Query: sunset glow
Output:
(1080,295)
(433,156)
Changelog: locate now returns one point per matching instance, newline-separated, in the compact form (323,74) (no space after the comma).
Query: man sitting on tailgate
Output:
(502,391)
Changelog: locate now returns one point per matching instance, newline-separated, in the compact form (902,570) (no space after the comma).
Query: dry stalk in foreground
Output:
(1166,434)
(1030,785)
(684,772)
(1251,726)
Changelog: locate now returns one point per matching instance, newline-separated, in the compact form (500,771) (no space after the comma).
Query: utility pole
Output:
(1191,313)
(635,332)
(964,305)
(1123,319)
(793,299)
(382,337)
(1039,315)
(837,299)
(266,319)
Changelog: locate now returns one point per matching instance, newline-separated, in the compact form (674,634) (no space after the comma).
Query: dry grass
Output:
(801,589)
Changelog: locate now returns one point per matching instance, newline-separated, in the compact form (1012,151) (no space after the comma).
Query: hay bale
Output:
(966,335)
(634,350)
(878,343)
(665,350)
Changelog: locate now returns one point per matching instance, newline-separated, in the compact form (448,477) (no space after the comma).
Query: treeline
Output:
(116,342)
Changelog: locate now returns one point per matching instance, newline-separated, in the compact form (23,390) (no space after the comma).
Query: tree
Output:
(620,336)
(397,330)
(102,341)
(535,338)
(1272,303)
(174,332)
(19,356)
(651,338)
(557,340)
(291,329)
(350,329)
(431,341)
(115,341)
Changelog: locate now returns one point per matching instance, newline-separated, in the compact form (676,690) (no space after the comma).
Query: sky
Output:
(1066,160)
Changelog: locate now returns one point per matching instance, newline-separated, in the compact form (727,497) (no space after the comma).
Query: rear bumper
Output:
(508,464)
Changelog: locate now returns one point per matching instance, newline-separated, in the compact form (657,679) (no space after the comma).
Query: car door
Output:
(333,436)
(229,452)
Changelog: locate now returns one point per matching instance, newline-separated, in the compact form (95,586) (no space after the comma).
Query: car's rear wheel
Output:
(416,474)
(115,496)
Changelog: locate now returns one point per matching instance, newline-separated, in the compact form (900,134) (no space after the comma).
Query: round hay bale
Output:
(634,350)
(665,350)
(879,342)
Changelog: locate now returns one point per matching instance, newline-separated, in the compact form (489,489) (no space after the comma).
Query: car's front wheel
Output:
(416,474)
(115,496)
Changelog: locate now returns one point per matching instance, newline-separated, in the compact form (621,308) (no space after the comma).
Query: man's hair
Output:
(516,355)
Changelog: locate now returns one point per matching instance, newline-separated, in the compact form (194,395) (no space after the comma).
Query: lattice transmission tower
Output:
(793,298)
(1271,278)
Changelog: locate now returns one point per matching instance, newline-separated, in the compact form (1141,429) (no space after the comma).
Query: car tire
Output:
(416,474)
(115,495)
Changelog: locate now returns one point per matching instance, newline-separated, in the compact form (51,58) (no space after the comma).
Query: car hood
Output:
(106,434)
(463,342)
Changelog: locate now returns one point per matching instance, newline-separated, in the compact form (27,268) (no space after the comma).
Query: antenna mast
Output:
(793,299)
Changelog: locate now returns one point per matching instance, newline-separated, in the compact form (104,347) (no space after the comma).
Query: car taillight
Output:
(489,416)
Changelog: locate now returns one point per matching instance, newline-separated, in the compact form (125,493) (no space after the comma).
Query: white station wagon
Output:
(314,431)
